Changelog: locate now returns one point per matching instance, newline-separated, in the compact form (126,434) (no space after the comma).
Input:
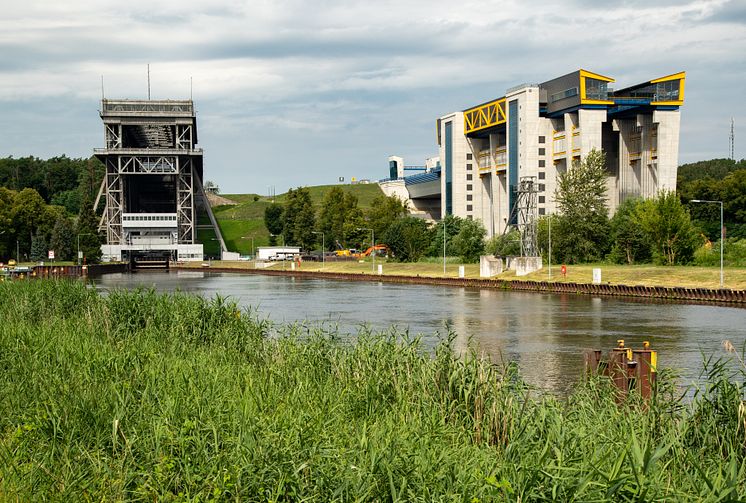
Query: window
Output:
(542,199)
(468,197)
(542,175)
(542,151)
(542,163)
(542,139)
(541,187)
(596,89)
(468,157)
(469,207)
(469,217)
(568,93)
(542,211)
(468,167)
(468,177)
(469,186)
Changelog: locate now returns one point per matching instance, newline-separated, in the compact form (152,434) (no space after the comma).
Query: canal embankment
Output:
(736,297)
(64,270)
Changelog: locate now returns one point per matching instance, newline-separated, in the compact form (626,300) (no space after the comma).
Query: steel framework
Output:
(151,138)
(525,209)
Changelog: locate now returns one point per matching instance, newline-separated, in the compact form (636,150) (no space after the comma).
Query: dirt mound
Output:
(217,200)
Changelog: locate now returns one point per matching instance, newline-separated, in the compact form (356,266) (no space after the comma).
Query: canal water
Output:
(545,334)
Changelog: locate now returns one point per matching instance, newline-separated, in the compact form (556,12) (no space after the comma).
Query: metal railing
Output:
(180,107)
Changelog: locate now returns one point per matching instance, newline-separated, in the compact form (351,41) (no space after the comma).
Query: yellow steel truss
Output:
(484,116)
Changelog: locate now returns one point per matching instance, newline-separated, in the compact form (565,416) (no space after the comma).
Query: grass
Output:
(652,275)
(683,276)
(239,223)
(171,397)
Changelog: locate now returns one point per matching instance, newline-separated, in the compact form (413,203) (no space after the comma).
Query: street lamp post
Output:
(372,244)
(252,245)
(550,247)
(722,282)
(81,234)
(323,249)
(444,246)
(282,246)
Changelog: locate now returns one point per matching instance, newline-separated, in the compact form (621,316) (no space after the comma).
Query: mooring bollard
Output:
(628,369)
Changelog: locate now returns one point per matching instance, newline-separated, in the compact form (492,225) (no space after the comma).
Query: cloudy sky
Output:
(293,93)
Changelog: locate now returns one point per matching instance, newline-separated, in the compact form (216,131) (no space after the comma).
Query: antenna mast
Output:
(732,139)
(148,81)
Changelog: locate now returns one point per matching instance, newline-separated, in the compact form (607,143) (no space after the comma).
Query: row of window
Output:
(149,218)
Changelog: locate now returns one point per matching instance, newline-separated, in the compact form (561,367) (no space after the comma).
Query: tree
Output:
(630,243)
(408,238)
(62,238)
(90,178)
(38,247)
(452,225)
(384,211)
(469,242)
(333,215)
(273,221)
(69,199)
(28,214)
(299,218)
(7,233)
(668,225)
(583,227)
(714,169)
(504,245)
(716,180)
(87,233)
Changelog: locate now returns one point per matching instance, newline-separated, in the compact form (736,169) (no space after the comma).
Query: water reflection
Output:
(546,334)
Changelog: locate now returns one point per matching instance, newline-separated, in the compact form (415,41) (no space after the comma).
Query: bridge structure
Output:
(152,189)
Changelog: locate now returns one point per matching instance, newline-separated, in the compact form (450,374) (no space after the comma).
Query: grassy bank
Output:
(649,275)
(242,222)
(146,396)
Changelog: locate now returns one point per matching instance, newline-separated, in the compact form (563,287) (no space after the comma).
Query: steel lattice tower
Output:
(153,180)
(525,210)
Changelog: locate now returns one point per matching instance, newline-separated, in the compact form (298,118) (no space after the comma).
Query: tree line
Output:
(48,205)
(667,229)
(345,225)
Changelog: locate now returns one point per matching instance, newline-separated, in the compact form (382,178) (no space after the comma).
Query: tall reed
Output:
(145,396)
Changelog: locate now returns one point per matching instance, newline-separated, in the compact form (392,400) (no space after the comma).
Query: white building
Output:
(540,130)
(276,252)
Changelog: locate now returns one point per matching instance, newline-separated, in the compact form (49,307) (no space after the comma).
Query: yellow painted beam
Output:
(485,116)
(586,73)
(673,76)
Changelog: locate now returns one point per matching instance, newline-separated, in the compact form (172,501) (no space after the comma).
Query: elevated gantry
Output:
(153,183)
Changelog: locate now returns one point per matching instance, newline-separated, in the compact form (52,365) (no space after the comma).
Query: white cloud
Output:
(310,69)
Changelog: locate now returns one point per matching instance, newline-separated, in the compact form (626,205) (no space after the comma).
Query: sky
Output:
(291,93)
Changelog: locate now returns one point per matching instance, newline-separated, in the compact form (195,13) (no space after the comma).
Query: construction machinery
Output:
(379,249)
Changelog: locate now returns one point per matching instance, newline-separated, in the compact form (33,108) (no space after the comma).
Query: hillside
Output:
(243,221)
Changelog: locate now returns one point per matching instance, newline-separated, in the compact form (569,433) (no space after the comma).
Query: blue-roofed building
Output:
(419,186)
